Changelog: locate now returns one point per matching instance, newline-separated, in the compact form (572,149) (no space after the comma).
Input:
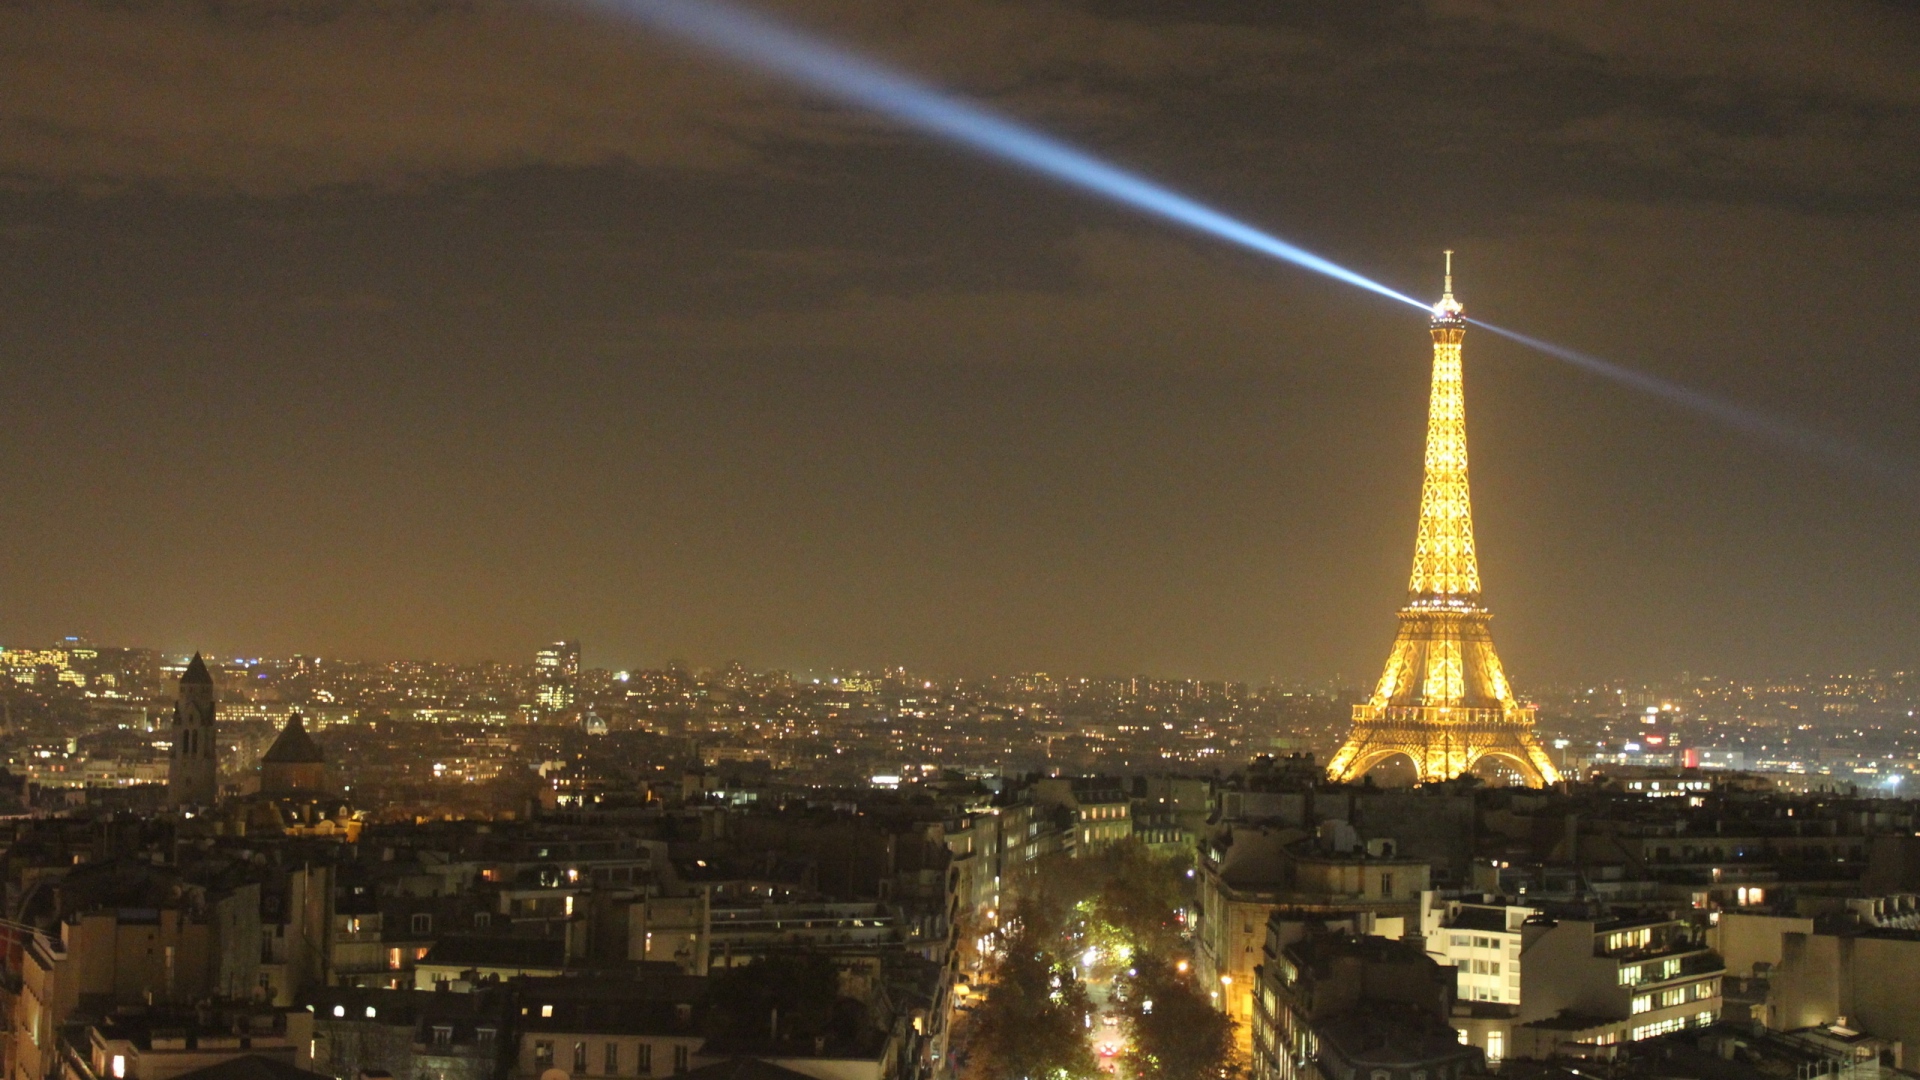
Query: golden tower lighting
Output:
(1444,701)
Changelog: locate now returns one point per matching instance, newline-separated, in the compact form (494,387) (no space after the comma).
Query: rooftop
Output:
(294,746)
(1479,918)
(499,952)
(743,1068)
(1387,1035)
(252,1067)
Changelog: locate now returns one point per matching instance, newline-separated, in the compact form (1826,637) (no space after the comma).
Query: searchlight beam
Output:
(769,45)
(827,69)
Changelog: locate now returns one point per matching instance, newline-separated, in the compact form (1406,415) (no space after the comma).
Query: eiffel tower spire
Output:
(1445,569)
(1443,700)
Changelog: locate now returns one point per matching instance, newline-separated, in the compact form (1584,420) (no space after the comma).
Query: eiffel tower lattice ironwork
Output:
(1444,701)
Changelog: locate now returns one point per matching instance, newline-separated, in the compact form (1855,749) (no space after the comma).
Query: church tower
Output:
(1444,700)
(193,774)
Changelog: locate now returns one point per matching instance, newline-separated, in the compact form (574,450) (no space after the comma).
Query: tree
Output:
(1140,896)
(782,1000)
(1126,895)
(1173,1031)
(1032,1023)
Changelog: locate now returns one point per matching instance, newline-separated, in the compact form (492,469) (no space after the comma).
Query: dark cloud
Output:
(1765,98)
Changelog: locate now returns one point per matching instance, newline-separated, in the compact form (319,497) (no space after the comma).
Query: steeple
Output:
(193,765)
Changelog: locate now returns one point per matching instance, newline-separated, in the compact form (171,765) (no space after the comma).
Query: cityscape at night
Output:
(417,738)
(869,540)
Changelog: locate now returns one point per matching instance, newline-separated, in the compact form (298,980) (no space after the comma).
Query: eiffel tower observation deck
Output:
(1444,701)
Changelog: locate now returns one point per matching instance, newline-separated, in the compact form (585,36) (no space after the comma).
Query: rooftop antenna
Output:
(1449,286)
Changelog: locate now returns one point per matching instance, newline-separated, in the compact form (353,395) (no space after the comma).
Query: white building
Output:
(1482,941)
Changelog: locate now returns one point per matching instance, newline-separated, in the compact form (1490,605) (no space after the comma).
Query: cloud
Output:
(1759,98)
(274,97)
(267,96)
(1740,98)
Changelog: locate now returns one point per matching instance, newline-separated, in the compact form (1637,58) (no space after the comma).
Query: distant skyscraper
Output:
(1444,700)
(556,667)
(561,657)
(193,771)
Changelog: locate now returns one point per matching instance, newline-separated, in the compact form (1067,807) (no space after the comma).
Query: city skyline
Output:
(855,540)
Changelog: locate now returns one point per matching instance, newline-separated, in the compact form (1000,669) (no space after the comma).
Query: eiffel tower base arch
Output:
(1443,746)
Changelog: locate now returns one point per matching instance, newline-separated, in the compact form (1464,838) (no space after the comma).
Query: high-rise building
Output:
(1444,701)
(556,667)
(560,658)
(193,769)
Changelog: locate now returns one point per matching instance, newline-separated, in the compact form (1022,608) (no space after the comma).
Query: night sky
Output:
(442,328)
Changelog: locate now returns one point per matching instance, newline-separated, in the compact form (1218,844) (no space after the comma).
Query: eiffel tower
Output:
(1444,700)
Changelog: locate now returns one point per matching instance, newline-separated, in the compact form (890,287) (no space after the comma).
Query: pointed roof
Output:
(294,746)
(196,673)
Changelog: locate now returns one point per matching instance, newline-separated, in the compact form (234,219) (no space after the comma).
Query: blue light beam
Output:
(1751,421)
(771,46)
(766,44)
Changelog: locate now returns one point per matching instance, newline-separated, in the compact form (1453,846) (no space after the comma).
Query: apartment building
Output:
(1482,941)
(1599,982)
(1340,1006)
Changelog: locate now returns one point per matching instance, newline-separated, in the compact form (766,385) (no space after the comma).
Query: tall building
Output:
(556,667)
(1444,701)
(562,659)
(193,771)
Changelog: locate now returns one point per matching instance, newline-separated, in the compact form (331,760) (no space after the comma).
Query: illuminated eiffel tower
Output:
(1444,701)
